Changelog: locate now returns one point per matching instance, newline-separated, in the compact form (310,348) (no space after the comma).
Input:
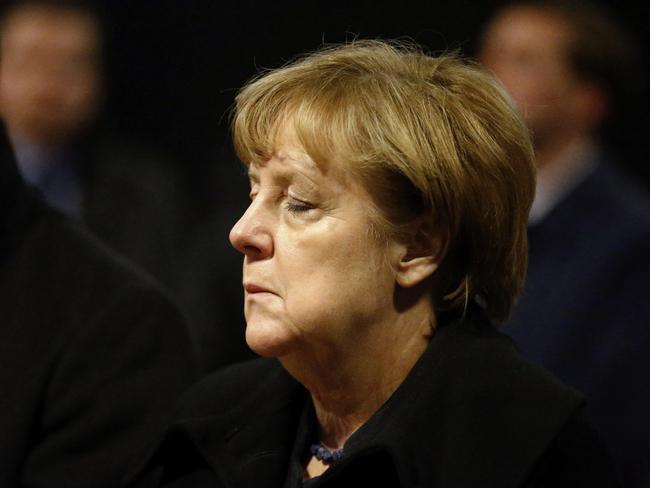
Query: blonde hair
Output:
(428,136)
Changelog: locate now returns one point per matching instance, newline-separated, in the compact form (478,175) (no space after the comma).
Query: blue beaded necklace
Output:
(323,454)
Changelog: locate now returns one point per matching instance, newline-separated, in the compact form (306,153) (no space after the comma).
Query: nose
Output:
(251,235)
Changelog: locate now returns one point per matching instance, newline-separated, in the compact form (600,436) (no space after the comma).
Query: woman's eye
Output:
(297,206)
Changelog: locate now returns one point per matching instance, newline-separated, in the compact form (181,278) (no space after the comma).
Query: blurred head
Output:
(50,70)
(429,152)
(567,65)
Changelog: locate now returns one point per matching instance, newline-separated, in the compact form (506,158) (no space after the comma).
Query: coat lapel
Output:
(250,446)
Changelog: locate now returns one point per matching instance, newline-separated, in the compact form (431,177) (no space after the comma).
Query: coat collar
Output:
(19,210)
(244,444)
(470,410)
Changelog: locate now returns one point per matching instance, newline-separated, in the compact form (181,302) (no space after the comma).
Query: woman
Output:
(385,238)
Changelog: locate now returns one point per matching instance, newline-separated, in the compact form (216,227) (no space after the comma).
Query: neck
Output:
(555,178)
(552,152)
(349,382)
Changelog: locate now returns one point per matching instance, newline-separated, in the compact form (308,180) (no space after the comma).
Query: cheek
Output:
(12,93)
(85,91)
(338,282)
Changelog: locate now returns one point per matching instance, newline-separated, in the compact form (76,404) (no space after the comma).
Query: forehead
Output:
(528,27)
(288,159)
(42,23)
(287,150)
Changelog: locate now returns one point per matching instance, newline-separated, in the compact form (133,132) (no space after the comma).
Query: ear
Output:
(422,256)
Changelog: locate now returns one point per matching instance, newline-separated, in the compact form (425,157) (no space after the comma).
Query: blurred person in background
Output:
(51,93)
(92,353)
(584,312)
(133,198)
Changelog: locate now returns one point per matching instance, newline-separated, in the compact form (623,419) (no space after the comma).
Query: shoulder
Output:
(102,343)
(594,246)
(64,283)
(71,259)
(607,198)
(236,387)
(67,288)
(488,380)
(577,456)
(512,413)
(485,356)
(59,277)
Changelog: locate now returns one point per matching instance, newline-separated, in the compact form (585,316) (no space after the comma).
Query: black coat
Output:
(91,351)
(471,413)
(585,313)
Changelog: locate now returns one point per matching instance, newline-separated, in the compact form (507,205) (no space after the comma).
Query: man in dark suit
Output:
(139,202)
(51,92)
(91,352)
(584,313)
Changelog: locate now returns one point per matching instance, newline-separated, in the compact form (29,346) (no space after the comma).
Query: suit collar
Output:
(17,209)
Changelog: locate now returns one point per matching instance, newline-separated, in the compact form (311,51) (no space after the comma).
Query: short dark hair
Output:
(601,50)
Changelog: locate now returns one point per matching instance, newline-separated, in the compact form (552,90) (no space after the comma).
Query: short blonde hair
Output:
(428,136)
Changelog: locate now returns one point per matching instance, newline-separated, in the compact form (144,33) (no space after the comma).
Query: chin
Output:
(268,340)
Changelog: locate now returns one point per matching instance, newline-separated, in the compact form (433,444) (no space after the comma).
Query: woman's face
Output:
(313,273)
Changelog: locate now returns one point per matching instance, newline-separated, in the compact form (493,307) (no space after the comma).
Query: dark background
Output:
(174,66)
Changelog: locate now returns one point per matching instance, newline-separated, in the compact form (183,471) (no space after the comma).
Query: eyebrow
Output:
(282,174)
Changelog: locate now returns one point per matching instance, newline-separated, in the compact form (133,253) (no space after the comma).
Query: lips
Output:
(252,288)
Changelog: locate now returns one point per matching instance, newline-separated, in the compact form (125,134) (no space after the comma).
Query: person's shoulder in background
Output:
(92,350)
(577,457)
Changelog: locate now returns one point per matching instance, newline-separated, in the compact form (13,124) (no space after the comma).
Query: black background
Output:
(174,66)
